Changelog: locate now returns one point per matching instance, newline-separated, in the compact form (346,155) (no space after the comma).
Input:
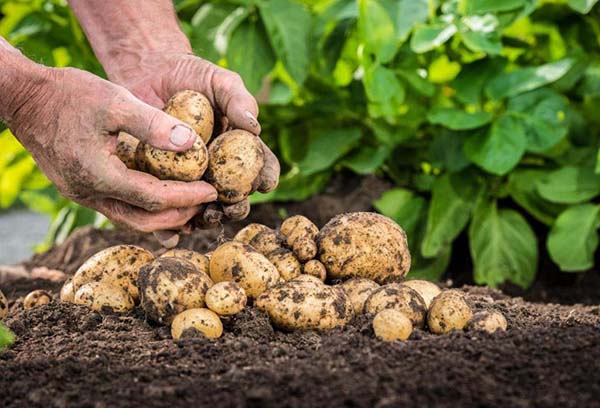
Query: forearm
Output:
(123,32)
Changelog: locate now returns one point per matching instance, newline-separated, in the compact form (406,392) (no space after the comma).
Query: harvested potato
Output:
(197,320)
(298,226)
(427,290)
(184,166)
(193,108)
(237,211)
(365,245)
(66,291)
(103,294)
(267,241)
(168,286)
(226,298)
(398,297)
(358,290)
(316,269)
(118,265)
(303,305)
(3,306)
(237,262)
(235,161)
(246,234)
(200,261)
(488,320)
(391,325)
(305,249)
(36,298)
(286,263)
(308,278)
(449,311)
(126,147)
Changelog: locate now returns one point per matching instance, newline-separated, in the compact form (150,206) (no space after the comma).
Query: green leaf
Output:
(429,268)
(570,185)
(288,24)
(573,239)
(38,202)
(522,187)
(6,337)
(582,6)
(458,119)
(367,159)
(410,13)
(452,200)
(384,90)
(12,179)
(403,206)
(473,77)
(204,27)
(326,146)
(527,79)
(294,187)
(479,34)
(489,6)
(377,30)
(417,82)
(500,149)
(503,246)
(428,37)
(446,151)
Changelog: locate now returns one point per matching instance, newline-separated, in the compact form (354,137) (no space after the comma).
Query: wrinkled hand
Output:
(70,126)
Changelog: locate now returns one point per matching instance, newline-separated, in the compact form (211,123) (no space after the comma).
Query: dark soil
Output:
(66,355)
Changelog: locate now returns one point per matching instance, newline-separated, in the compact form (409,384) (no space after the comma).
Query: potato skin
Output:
(168,286)
(307,278)
(305,249)
(298,226)
(36,298)
(193,108)
(427,290)
(391,325)
(226,298)
(3,306)
(200,261)
(488,320)
(358,290)
(315,268)
(449,311)
(246,234)
(235,161)
(100,295)
(286,263)
(363,244)
(183,166)
(126,147)
(67,294)
(237,262)
(267,241)
(197,320)
(304,305)
(398,297)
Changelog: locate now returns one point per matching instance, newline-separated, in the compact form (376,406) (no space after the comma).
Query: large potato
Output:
(303,305)
(246,234)
(102,294)
(126,147)
(237,262)
(286,263)
(36,298)
(488,320)
(427,290)
(168,286)
(358,290)
(235,161)
(365,245)
(193,108)
(197,320)
(449,311)
(226,298)
(184,166)
(200,261)
(118,264)
(398,297)
(3,306)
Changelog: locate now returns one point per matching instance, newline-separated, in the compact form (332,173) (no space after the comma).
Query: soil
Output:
(66,355)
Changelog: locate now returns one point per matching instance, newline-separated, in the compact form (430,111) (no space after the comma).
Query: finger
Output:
(237,211)
(167,239)
(235,101)
(269,175)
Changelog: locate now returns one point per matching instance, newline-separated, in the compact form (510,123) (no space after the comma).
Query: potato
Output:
(183,166)
(193,108)
(200,261)
(237,211)
(126,147)
(246,234)
(169,285)
(307,278)
(103,294)
(427,290)
(226,298)
(302,305)
(67,293)
(488,320)
(118,265)
(267,241)
(305,249)
(316,269)
(36,298)
(398,297)
(391,325)
(358,290)
(298,226)
(235,161)
(448,311)
(286,263)
(237,262)
(3,306)
(197,320)
(365,245)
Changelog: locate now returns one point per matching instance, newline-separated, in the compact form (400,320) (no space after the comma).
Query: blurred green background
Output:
(481,112)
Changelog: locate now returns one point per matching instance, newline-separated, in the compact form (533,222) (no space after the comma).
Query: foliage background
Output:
(482,112)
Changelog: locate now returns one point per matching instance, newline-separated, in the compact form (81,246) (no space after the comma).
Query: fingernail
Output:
(212,196)
(253,120)
(180,135)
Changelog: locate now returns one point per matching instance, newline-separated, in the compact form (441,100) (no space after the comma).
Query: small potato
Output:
(398,297)
(118,265)
(305,249)
(358,290)
(298,226)
(100,295)
(237,262)
(267,241)
(3,306)
(304,305)
(246,234)
(126,147)
(168,286)
(488,320)
(226,298)
(183,166)
(365,245)
(392,325)
(196,320)
(200,261)
(316,269)
(286,263)
(193,108)
(235,161)
(237,211)
(67,294)
(36,298)
(427,290)
(449,311)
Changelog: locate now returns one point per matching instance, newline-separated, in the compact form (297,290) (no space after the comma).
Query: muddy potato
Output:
(298,226)
(3,306)
(36,298)
(198,320)
(246,234)
(183,166)
(427,290)
(66,292)
(237,262)
(235,161)
(488,320)
(398,297)
(448,311)
(316,269)
(267,241)
(365,245)
(226,298)
(307,278)
(304,305)
(305,249)
(358,290)
(193,108)
(286,263)
(118,264)
(200,261)
(391,325)
(102,294)
(126,147)
(169,286)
